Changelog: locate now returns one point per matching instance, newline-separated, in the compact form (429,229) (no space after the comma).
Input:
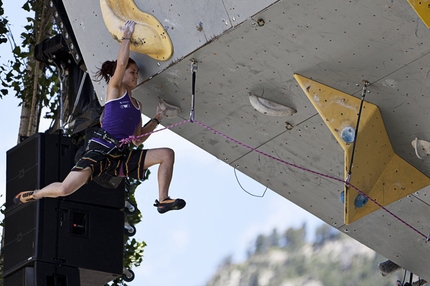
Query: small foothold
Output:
(288,126)
(261,22)
(422,148)
(342,197)
(348,134)
(365,82)
(360,200)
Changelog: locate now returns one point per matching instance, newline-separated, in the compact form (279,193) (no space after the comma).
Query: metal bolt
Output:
(261,22)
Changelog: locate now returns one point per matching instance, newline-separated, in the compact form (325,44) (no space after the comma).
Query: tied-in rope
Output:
(131,138)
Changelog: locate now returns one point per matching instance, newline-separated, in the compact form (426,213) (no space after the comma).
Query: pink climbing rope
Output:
(313,172)
(131,138)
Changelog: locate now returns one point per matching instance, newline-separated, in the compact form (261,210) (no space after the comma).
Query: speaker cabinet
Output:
(35,163)
(64,233)
(64,240)
(44,274)
(46,158)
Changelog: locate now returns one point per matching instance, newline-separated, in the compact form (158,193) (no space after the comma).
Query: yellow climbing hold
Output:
(149,35)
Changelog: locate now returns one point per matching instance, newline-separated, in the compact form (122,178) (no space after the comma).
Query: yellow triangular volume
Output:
(377,170)
(422,8)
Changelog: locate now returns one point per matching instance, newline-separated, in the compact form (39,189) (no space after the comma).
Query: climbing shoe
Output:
(169,204)
(24,197)
(387,267)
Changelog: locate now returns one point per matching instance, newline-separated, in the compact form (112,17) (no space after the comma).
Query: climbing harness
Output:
(105,136)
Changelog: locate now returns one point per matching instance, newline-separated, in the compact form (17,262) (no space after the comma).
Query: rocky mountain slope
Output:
(334,259)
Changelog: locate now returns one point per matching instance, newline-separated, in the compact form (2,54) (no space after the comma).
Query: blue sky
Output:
(220,219)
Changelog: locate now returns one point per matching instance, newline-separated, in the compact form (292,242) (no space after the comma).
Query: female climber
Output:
(121,119)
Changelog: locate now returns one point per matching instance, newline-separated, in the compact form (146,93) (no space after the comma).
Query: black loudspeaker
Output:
(59,232)
(63,240)
(44,274)
(46,158)
(28,166)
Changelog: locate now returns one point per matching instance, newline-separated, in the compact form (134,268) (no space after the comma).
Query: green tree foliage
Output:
(325,233)
(261,244)
(3,39)
(34,82)
(23,74)
(3,23)
(274,238)
(295,238)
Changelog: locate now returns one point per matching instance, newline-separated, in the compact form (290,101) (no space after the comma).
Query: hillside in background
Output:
(287,259)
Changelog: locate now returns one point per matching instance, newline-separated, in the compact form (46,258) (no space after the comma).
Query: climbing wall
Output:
(256,47)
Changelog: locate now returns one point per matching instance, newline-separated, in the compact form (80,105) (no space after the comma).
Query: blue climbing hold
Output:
(360,200)
(348,134)
(342,197)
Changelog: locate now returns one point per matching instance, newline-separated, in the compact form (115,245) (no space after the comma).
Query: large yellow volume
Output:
(149,36)
(377,171)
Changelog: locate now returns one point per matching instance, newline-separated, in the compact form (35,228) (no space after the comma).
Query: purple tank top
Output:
(121,117)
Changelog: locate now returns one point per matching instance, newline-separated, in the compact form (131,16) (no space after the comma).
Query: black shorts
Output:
(101,159)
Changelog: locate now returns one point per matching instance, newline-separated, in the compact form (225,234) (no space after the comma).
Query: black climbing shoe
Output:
(24,197)
(169,204)
(387,267)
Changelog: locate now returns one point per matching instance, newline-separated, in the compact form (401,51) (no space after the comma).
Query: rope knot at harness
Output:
(126,141)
